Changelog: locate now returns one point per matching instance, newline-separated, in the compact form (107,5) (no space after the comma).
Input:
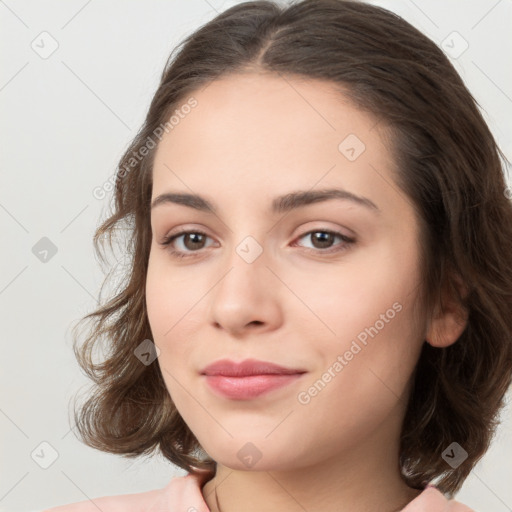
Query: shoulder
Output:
(125,503)
(432,499)
(179,491)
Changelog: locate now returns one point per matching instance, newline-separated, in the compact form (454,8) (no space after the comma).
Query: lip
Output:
(247,368)
(249,378)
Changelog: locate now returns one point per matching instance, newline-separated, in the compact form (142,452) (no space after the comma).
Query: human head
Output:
(391,71)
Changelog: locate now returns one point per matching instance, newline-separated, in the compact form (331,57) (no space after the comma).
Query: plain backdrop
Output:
(76,79)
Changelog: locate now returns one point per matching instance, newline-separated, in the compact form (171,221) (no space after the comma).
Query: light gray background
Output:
(65,121)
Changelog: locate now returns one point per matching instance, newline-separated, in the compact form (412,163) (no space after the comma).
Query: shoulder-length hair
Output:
(448,166)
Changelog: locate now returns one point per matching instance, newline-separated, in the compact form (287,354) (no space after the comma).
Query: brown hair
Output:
(448,166)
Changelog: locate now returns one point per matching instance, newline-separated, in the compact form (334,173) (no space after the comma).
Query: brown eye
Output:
(325,239)
(322,239)
(193,241)
(187,242)
(190,243)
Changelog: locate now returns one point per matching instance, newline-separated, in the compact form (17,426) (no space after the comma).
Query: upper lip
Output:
(246,368)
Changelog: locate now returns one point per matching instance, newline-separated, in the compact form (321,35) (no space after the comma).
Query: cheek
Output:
(174,312)
(367,310)
(169,295)
(375,323)
(163,308)
(352,295)
(159,301)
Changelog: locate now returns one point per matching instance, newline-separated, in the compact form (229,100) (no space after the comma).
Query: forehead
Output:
(267,134)
(244,110)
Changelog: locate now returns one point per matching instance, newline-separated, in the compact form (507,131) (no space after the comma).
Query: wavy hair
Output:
(448,166)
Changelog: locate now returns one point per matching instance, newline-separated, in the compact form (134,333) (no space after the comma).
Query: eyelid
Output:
(188,230)
(349,234)
(346,239)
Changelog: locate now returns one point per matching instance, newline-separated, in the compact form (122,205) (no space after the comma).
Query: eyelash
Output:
(167,241)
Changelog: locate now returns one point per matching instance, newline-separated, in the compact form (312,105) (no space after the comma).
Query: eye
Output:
(193,241)
(324,238)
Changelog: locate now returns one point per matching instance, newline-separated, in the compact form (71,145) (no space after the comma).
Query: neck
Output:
(272,491)
(365,478)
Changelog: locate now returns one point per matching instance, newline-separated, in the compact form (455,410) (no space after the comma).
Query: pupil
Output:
(320,237)
(194,237)
(323,238)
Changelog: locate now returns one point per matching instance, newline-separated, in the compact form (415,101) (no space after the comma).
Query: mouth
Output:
(248,379)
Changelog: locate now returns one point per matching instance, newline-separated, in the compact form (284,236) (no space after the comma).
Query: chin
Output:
(254,453)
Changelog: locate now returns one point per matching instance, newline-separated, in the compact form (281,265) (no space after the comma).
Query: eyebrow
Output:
(280,204)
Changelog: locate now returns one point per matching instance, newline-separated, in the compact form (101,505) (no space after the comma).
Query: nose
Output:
(246,299)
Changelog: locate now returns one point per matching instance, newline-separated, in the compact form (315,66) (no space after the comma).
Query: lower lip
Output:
(245,388)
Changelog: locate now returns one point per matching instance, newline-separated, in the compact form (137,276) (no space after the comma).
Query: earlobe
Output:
(447,328)
(449,322)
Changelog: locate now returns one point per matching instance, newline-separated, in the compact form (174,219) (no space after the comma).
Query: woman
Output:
(317,313)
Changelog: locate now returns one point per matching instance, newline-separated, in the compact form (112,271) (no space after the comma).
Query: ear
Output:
(449,320)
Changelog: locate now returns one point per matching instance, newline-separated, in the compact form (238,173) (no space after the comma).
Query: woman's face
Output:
(267,281)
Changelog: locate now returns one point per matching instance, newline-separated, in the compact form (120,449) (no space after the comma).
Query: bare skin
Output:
(301,303)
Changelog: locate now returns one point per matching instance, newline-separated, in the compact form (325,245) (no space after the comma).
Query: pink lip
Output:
(248,379)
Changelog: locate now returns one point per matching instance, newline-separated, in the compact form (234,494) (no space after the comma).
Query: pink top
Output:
(183,494)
